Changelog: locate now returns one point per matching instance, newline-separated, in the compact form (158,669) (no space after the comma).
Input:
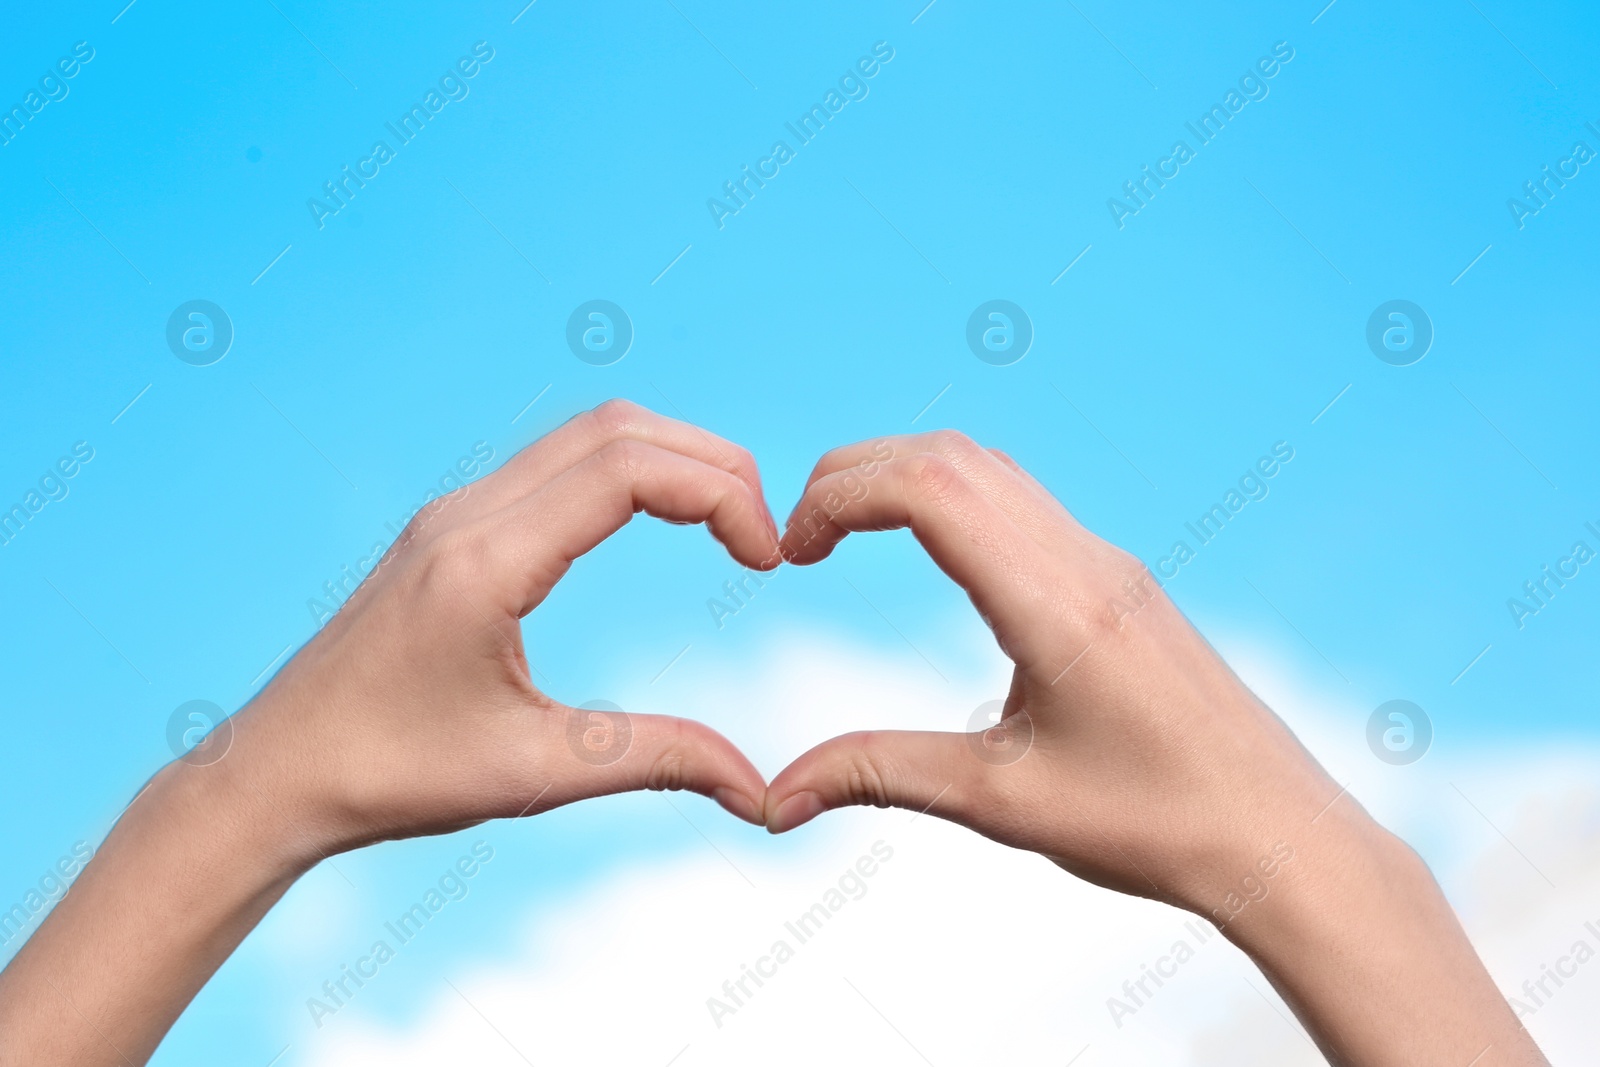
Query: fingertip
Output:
(751,538)
(758,494)
(803,553)
(757,556)
(739,805)
(797,810)
(774,539)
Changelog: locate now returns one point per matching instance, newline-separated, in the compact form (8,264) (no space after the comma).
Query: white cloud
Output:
(961,951)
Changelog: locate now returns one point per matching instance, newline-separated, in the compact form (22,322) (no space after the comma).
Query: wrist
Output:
(249,806)
(1295,863)
(1357,937)
(1305,881)
(197,857)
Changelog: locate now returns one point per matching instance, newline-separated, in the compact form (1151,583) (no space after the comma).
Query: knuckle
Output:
(744,462)
(431,515)
(667,771)
(615,417)
(1128,576)
(864,779)
(1098,617)
(669,766)
(955,445)
(450,502)
(1127,569)
(831,460)
(455,557)
(1124,590)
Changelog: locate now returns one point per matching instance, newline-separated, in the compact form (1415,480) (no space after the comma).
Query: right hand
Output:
(1145,765)
(1129,753)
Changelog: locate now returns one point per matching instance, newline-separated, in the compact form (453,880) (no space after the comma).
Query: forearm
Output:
(187,872)
(1361,943)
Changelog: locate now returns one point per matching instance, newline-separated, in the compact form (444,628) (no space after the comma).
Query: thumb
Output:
(611,751)
(884,768)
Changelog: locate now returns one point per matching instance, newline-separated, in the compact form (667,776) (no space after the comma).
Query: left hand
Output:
(413,712)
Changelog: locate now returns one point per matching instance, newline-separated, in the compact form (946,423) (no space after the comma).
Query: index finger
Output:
(970,537)
(585,434)
(530,543)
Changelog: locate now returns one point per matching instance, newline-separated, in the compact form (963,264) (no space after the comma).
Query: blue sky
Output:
(373,351)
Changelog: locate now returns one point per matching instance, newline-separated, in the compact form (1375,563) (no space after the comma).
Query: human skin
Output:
(412,712)
(1150,770)
(1145,765)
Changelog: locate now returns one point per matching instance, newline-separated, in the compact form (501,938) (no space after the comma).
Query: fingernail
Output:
(738,804)
(796,811)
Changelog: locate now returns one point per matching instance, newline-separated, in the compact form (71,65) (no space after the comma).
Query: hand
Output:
(1129,754)
(412,712)
(1119,716)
